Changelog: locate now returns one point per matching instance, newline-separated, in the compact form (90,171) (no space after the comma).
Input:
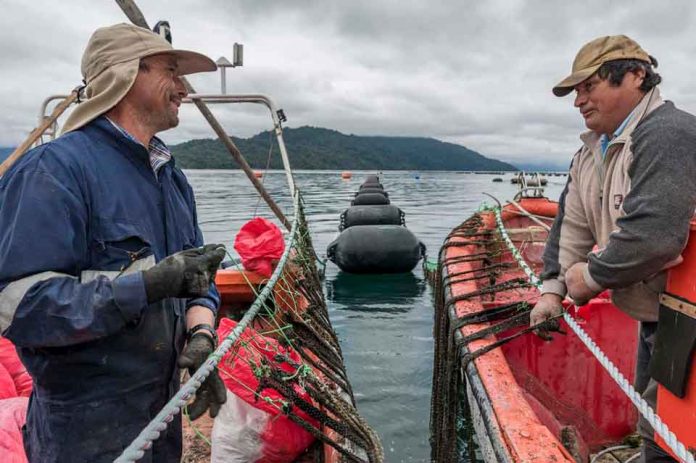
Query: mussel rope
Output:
(152,431)
(136,450)
(648,413)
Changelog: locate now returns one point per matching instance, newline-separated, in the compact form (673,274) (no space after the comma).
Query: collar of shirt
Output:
(158,151)
(604,139)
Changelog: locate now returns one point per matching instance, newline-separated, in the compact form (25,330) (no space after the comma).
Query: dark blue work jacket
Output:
(77,215)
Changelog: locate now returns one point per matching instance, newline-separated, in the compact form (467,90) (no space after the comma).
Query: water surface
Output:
(384,322)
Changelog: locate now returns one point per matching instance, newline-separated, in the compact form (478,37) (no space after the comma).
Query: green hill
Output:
(317,148)
(5,153)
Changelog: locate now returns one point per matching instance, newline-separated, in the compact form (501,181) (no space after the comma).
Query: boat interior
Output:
(531,385)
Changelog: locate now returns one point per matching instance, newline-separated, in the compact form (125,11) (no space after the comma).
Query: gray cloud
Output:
(475,73)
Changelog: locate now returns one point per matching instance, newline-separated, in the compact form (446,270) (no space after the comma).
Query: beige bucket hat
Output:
(110,65)
(597,52)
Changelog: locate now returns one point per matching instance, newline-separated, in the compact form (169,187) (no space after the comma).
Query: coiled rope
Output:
(648,413)
(136,450)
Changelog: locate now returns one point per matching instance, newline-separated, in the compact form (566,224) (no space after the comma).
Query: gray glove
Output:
(212,393)
(187,273)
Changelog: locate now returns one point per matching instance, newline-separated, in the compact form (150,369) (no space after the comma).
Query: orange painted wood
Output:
(234,287)
(680,414)
(527,438)
(539,389)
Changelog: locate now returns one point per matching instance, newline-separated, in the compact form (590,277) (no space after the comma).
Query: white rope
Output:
(609,451)
(643,408)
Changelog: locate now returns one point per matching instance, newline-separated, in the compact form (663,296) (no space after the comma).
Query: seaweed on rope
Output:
(305,327)
(451,348)
(308,331)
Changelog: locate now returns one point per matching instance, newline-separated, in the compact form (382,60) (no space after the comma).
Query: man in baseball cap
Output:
(630,195)
(106,288)
(597,52)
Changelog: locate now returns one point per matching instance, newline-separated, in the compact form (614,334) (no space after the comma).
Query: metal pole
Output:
(270,104)
(223,80)
(136,16)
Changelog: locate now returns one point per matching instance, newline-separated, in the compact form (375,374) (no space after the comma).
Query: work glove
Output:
(212,393)
(548,306)
(187,273)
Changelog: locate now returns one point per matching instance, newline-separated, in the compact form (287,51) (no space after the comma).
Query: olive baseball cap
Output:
(110,65)
(597,52)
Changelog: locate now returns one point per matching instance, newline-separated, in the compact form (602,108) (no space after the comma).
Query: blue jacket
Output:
(79,218)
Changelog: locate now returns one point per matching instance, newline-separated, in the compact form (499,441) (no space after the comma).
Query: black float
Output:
(374,237)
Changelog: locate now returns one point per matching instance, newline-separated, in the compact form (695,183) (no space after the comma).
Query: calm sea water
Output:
(384,322)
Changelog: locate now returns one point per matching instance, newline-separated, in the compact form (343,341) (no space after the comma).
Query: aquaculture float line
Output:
(136,450)
(648,413)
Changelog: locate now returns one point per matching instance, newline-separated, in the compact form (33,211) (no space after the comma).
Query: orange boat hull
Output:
(538,400)
(679,414)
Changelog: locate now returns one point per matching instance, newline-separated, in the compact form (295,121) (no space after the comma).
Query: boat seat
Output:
(532,233)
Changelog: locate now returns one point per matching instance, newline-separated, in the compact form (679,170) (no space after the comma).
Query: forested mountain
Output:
(318,148)
(5,152)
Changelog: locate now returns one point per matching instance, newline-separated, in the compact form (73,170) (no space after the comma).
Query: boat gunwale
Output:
(485,407)
(507,442)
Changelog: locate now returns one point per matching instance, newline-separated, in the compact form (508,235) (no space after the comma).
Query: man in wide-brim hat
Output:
(630,193)
(105,287)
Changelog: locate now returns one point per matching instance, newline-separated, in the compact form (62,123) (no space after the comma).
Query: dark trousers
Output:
(647,387)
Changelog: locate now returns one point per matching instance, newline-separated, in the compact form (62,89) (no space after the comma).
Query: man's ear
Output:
(640,77)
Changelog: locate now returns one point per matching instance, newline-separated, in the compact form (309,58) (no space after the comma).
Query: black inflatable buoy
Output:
(381,214)
(369,186)
(372,190)
(374,237)
(365,199)
(376,249)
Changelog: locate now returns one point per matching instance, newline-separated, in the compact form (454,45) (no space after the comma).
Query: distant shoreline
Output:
(377,171)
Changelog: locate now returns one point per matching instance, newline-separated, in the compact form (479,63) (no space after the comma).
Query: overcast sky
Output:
(474,73)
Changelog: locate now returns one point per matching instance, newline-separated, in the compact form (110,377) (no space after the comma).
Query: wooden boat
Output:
(529,399)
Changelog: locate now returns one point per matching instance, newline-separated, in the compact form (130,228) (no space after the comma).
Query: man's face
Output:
(158,91)
(603,106)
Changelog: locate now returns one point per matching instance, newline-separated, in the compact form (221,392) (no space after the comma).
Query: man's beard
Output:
(163,120)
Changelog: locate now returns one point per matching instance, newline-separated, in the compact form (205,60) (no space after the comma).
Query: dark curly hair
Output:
(615,71)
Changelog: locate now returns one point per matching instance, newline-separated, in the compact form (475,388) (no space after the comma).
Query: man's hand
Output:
(187,273)
(548,306)
(212,393)
(577,287)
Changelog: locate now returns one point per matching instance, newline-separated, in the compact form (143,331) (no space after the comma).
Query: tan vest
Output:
(601,184)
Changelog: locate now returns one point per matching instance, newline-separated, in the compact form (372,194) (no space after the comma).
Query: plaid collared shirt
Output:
(159,153)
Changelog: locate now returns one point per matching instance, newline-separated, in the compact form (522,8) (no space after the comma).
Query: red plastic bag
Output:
(250,428)
(13,415)
(10,360)
(259,243)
